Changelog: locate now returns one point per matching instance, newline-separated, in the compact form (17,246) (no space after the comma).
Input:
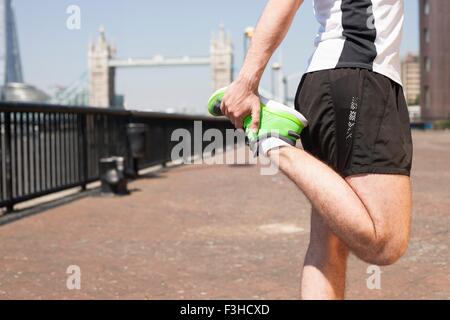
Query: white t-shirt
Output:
(359,33)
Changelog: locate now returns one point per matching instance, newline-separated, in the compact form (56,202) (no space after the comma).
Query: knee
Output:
(387,249)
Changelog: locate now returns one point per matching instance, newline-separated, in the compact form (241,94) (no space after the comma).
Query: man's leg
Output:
(369,213)
(323,276)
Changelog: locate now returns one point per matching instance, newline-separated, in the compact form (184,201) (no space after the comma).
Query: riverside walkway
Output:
(214,232)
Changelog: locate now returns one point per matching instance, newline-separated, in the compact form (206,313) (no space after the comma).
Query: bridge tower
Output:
(221,55)
(10,62)
(101,75)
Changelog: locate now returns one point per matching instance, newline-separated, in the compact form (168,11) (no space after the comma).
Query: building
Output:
(21,92)
(10,63)
(103,63)
(435,58)
(411,79)
(12,86)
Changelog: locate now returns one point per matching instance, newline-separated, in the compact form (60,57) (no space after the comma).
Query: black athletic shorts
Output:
(358,121)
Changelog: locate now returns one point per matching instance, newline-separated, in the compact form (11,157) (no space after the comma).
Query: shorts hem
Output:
(375,170)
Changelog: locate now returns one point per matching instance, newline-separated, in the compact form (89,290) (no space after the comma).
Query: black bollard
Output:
(112,176)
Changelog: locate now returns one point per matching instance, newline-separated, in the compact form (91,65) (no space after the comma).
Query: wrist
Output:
(249,81)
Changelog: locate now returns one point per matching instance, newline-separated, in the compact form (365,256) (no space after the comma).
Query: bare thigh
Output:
(388,200)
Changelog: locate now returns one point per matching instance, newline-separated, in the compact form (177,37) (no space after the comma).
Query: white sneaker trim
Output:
(274,105)
(271,143)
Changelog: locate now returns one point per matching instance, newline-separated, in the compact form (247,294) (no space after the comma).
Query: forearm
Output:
(271,29)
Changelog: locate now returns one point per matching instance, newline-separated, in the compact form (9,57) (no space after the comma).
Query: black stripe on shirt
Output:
(360,34)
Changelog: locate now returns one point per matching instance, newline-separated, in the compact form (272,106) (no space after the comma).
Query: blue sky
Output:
(53,55)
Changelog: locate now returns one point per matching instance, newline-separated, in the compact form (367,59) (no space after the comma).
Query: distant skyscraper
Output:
(411,79)
(435,58)
(10,63)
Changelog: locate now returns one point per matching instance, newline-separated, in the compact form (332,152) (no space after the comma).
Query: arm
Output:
(242,97)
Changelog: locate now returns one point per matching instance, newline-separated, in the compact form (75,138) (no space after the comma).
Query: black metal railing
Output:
(46,148)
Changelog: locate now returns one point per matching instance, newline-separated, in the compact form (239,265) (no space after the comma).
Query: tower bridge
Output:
(102,65)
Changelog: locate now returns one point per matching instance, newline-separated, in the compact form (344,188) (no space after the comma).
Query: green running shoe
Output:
(277,121)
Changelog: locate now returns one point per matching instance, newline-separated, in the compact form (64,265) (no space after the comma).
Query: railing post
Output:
(8,162)
(166,157)
(84,154)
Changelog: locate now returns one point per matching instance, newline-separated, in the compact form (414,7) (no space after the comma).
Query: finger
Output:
(256,113)
(231,117)
(236,123)
(228,114)
(223,107)
(239,122)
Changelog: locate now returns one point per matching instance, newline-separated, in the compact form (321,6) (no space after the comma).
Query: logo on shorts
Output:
(352,117)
